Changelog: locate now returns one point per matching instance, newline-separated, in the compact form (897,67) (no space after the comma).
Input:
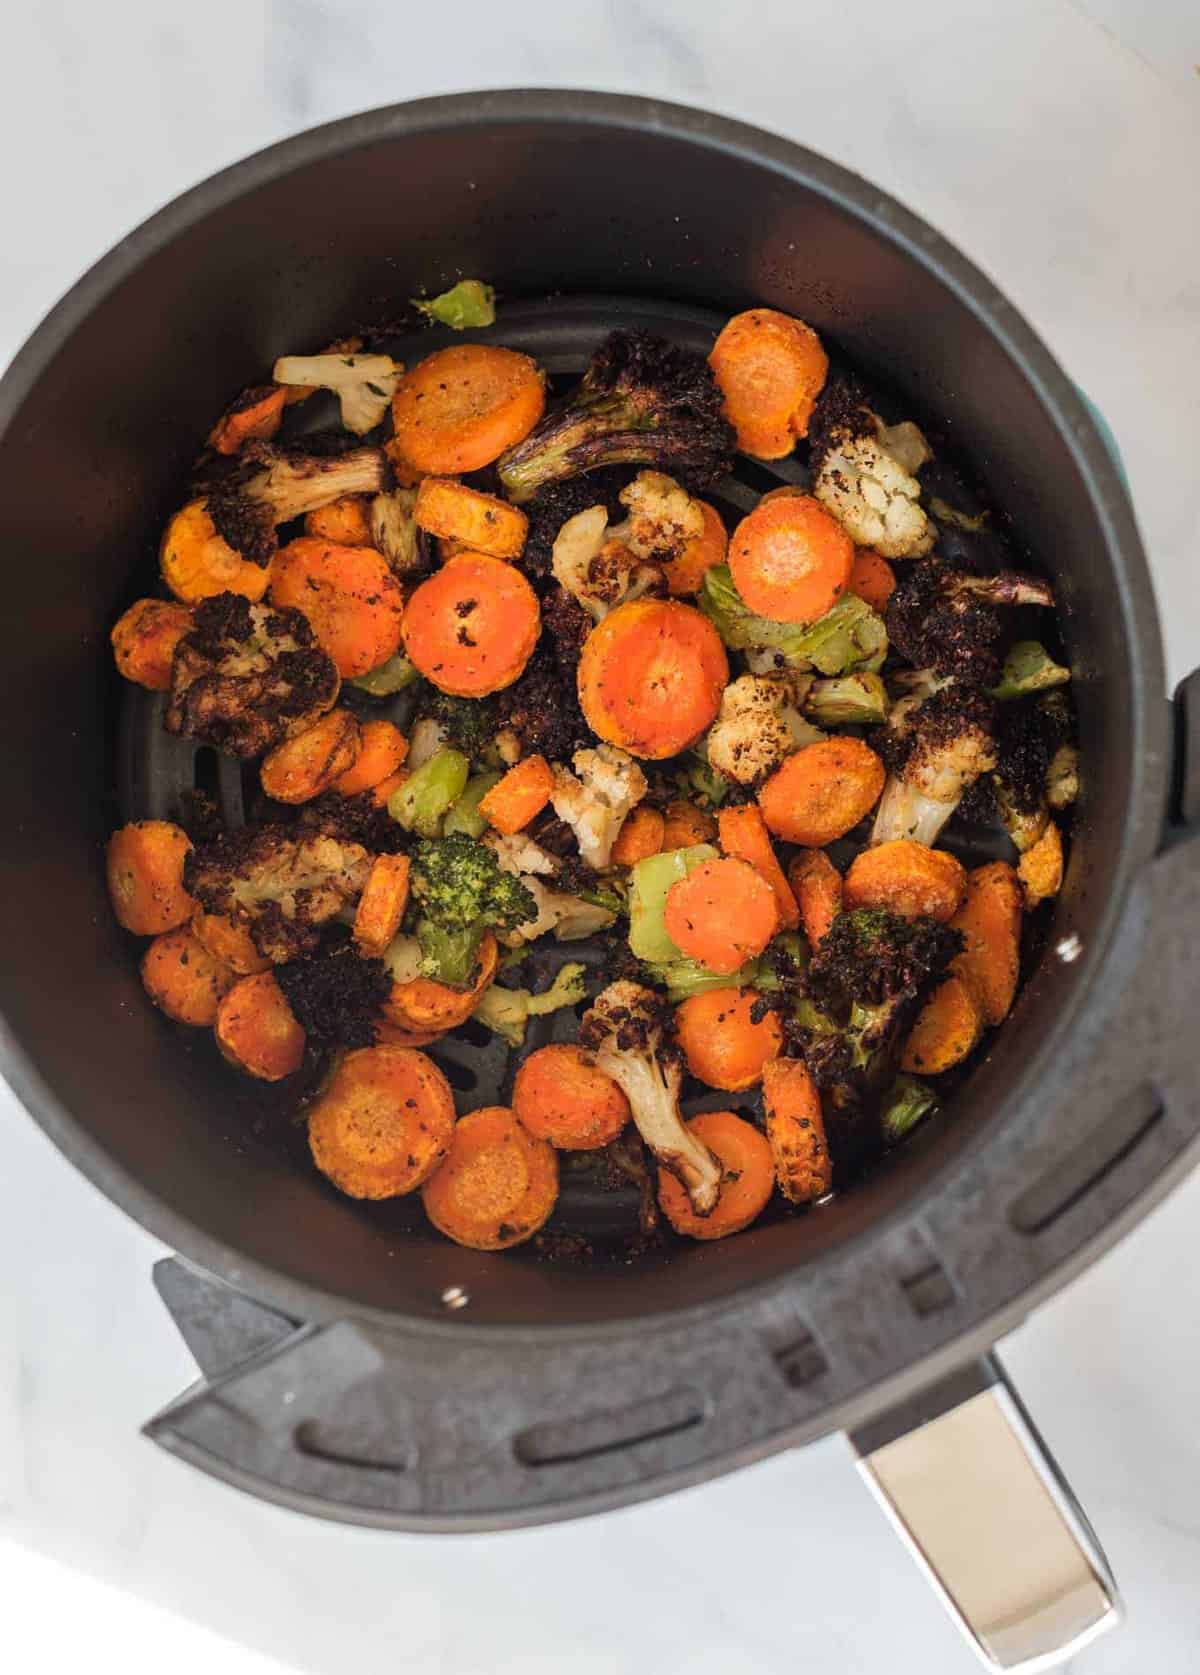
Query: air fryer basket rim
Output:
(887,220)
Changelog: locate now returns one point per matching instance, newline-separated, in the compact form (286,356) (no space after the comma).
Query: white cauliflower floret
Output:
(872,496)
(596,567)
(663,517)
(363,384)
(595,803)
(624,1032)
(566,915)
(906,442)
(758,725)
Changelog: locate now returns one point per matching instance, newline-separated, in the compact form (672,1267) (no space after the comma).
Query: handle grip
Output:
(973,1492)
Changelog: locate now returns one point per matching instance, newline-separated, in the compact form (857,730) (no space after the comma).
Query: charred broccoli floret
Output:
(1035,768)
(642,401)
(553,505)
(469,724)
(273,485)
(866,977)
(948,621)
(247,676)
(462,893)
(357,819)
(336,997)
(542,707)
(284,887)
(935,749)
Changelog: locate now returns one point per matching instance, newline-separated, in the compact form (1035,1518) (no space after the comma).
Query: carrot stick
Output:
(183,979)
(817,886)
(872,578)
(144,641)
(906,878)
(381,905)
(479,522)
(796,1131)
(822,792)
(257,1032)
(254,417)
(947,1029)
(344,523)
(561,1095)
(747,1178)
(651,677)
(460,408)
(302,767)
(145,877)
(722,913)
(990,922)
(472,626)
(349,595)
(770,369)
(743,833)
(521,794)
(498,1184)
(641,834)
(790,560)
(723,1044)
(383,749)
(384,1123)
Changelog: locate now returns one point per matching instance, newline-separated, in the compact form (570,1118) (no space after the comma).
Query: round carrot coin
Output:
(459,409)
(747,1178)
(472,626)
(770,369)
(196,562)
(822,792)
(257,1031)
(722,914)
(349,595)
(383,1124)
(562,1096)
(790,560)
(229,941)
(498,1184)
(723,1044)
(651,677)
(145,876)
(183,979)
(302,767)
(906,878)
(144,641)
(422,1003)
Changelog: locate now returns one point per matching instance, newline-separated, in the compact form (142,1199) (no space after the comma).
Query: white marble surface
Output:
(1059,144)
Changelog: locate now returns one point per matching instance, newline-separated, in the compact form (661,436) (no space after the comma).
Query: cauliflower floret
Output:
(245,677)
(595,803)
(281,887)
(759,723)
(597,568)
(873,497)
(566,915)
(625,1033)
(906,442)
(663,517)
(363,384)
(394,530)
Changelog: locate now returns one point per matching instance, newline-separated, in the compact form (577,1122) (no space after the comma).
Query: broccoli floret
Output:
(507,1011)
(337,997)
(469,303)
(469,724)
(542,707)
(642,401)
(246,676)
(462,893)
(951,622)
(866,977)
(272,485)
(935,748)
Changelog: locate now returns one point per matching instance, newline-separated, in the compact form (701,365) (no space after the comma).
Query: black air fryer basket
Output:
(354,1363)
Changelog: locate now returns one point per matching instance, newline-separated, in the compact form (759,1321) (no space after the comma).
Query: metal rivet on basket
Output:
(1069,948)
(455,1297)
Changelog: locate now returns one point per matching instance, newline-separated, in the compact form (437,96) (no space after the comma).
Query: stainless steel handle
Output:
(970,1487)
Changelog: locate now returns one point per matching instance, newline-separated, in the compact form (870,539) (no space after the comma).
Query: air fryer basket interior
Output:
(341,227)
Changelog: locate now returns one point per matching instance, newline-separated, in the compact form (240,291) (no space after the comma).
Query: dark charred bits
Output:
(337,996)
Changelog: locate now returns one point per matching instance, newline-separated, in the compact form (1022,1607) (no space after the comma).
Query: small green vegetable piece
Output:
(469,724)
(461,893)
(506,1012)
(683,978)
(469,303)
(1029,668)
(649,881)
(390,677)
(849,637)
(698,778)
(464,815)
(847,700)
(783,965)
(906,1102)
(429,791)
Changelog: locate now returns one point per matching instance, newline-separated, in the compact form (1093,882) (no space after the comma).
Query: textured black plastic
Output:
(584,195)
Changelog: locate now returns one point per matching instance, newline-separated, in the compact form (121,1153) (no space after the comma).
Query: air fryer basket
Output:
(428,1386)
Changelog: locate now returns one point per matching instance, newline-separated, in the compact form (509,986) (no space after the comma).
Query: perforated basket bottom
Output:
(157,772)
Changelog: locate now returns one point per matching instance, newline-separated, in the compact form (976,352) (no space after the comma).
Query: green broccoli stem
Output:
(450,954)
(580,439)
(847,700)
(906,1102)
(463,814)
(419,804)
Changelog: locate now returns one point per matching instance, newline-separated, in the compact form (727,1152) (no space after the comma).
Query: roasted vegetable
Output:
(363,384)
(506,1012)
(462,892)
(275,485)
(935,750)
